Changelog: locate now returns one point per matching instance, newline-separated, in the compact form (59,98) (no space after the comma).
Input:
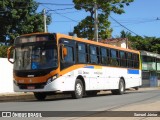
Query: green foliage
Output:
(125,34)
(19,17)
(86,27)
(3,51)
(151,44)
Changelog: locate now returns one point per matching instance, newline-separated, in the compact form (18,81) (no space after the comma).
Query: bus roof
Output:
(95,43)
(84,41)
(37,33)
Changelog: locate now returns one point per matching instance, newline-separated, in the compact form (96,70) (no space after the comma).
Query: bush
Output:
(3,51)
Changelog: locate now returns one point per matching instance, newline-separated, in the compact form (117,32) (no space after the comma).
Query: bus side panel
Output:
(133,78)
(95,78)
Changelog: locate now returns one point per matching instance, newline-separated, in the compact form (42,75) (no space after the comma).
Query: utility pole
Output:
(44,20)
(95,22)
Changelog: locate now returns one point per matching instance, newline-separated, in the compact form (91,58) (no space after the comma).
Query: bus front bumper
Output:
(58,85)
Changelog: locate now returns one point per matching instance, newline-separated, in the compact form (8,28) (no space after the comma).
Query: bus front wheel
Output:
(79,90)
(40,95)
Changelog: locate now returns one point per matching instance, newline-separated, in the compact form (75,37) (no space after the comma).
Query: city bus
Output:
(51,63)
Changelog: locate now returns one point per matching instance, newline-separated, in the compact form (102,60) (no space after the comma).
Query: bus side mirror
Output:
(9,53)
(64,51)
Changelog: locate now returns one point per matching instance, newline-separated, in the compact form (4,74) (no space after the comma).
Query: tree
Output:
(3,51)
(125,34)
(86,27)
(151,44)
(19,17)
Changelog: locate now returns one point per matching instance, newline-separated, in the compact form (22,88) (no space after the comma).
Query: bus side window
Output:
(123,62)
(114,61)
(93,54)
(98,55)
(82,55)
(129,60)
(103,56)
(68,59)
(136,60)
(70,56)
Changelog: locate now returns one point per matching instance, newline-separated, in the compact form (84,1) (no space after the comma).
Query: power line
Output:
(127,23)
(123,25)
(62,21)
(61,14)
(61,9)
(66,17)
(67,12)
(56,4)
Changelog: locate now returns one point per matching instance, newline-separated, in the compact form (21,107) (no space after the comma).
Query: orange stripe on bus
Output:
(33,80)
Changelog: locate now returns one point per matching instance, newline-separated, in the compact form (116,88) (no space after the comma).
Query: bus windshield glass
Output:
(35,57)
(35,52)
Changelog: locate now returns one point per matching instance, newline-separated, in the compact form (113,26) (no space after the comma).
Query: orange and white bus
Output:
(50,63)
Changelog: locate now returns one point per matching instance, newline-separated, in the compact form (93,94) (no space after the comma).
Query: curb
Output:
(16,96)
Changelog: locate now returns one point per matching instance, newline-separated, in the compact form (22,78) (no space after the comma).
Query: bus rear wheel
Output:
(40,95)
(79,90)
(121,89)
(136,88)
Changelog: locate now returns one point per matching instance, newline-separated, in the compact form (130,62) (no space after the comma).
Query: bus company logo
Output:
(84,72)
(6,114)
(30,76)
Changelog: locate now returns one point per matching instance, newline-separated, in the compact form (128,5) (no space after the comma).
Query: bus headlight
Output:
(52,78)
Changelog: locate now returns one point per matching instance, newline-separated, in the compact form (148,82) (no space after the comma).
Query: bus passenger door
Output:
(67,60)
(67,53)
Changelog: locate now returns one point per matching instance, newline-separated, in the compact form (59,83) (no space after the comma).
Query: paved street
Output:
(143,100)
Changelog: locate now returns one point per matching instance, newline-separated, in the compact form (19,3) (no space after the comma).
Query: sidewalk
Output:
(152,106)
(15,96)
(30,96)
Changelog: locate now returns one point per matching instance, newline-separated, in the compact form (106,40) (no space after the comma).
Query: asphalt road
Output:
(105,102)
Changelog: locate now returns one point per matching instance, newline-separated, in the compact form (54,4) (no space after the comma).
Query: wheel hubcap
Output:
(79,89)
(121,87)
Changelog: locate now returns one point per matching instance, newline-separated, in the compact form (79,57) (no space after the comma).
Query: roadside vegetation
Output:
(21,17)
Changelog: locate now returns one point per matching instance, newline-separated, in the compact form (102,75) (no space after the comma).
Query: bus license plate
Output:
(30,87)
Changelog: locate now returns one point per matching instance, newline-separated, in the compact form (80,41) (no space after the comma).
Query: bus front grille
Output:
(32,86)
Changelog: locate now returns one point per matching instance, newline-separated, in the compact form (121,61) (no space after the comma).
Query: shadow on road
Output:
(31,98)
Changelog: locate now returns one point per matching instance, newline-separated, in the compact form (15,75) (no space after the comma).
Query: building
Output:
(150,69)
(120,42)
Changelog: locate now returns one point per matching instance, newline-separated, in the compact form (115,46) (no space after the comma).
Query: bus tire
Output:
(114,92)
(79,90)
(40,96)
(121,89)
(136,88)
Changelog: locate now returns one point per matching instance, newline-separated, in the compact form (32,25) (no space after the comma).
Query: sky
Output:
(141,17)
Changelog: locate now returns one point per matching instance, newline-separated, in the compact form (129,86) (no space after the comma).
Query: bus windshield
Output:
(35,57)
